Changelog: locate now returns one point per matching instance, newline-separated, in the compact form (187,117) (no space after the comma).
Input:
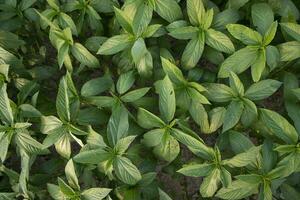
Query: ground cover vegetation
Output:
(149,99)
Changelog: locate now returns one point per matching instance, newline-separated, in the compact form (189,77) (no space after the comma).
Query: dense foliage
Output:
(149,99)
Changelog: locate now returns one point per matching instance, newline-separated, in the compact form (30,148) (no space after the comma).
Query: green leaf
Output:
(115,44)
(123,19)
(10,40)
(196,11)
(153,138)
(289,51)
(262,89)
(250,178)
(287,148)
(49,123)
(292,29)
(285,167)
(197,86)
(279,126)
(125,82)
(210,183)
(236,4)
(5,108)
(227,16)
(65,189)
(54,135)
(93,43)
(27,90)
(7,196)
(249,114)
(62,101)
(138,50)
(233,114)
(92,13)
(168,149)
(193,144)
(96,86)
(193,51)
(148,120)
(145,65)
(167,105)
(225,177)
(184,33)
(126,171)
(244,34)
(142,19)
(27,110)
(183,97)
(173,72)
(239,61)
(25,165)
(208,16)
(66,35)
(177,24)
(168,10)
(26,4)
(269,155)
(291,101)
(273,57)
(236,85)
(135,94)
(147,179)
(154,30)
(75,130)
(123,144)
(4,68)
(216,117)
(270,33)
(289,192)
(197,170)
(243,159)
(237,190)
(219,41)
(94,139)
(5,139)
(55,192)
(117,125)
(63,51)
(200,116)
(196,96)
(288,8)
(63,146)
(95,156)
(71,86)
(262,17)
(53,4)
(219,92)
(296,92)
(21,125)
(208,122)
(95,193)
(84,56)
(259,65)
(9,58)
(27,143)
(71,175)
(66,21)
